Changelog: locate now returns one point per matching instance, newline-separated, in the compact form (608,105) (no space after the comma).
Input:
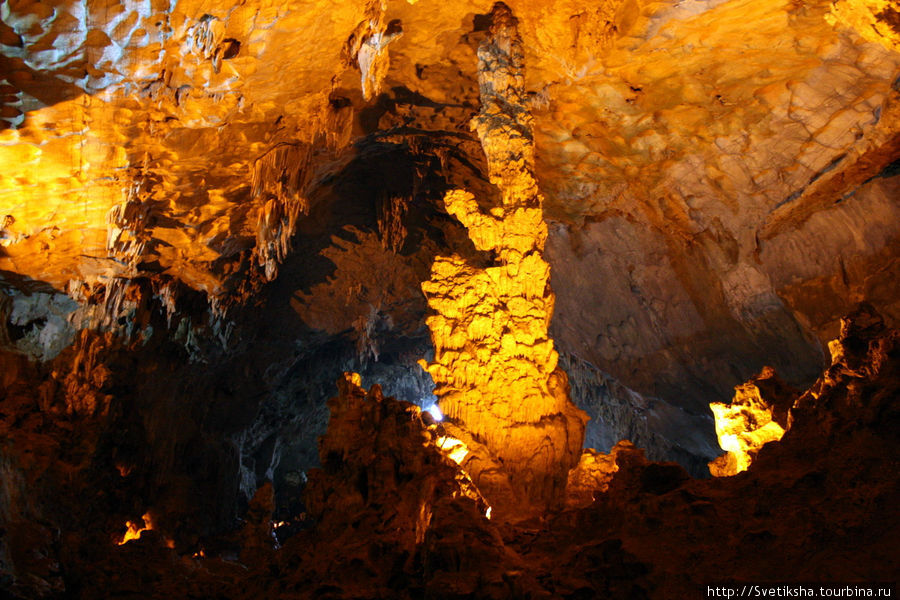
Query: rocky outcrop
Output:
(757,415)
(379,452)
(875,20)
(764,407)
(390,514)
(712,209)
(591,476)
(383,482)
(208,211)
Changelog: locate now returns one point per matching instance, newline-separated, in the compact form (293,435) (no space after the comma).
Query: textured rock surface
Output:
(757,415)
(208,211)
(818,506)
(591,476)
(691,180)
(664,431)
(495,368)
(875,20)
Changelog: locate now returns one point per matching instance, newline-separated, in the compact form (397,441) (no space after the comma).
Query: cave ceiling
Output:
(719,176)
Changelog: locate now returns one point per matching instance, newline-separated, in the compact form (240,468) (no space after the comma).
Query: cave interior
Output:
(449,299)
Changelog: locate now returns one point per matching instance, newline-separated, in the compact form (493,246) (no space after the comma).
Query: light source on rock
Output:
(435,411)
(135,528)
(757,415)
(455,449)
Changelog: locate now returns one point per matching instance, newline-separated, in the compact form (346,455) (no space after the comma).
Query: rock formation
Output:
(764,407)
(495,368)
(757,415)
(211,211)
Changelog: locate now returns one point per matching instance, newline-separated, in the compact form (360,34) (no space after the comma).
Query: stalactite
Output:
(126,241)
(368,45)
(366,343)
(391,229)
(205,40)
(278,180)
(495,367)
(167,295)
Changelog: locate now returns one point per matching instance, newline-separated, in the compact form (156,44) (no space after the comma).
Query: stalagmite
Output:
(495,367)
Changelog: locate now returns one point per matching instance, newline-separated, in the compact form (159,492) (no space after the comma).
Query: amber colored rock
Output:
(757,415)
(875,20)
(495,367)
(592,474)
(865,350)
(713,170)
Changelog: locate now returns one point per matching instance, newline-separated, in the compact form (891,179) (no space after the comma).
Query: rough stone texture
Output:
(591,476)
(757,415)
(692,166)
(691,173)
(238,225)
(875,20)
(663,430)
(817,506)
(128,97)
(380,453)
(383,481)
(495,368)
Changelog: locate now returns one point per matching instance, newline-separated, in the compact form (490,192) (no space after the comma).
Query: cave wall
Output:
(208,212)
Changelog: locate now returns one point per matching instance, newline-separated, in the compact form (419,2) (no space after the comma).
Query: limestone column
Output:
(495,367)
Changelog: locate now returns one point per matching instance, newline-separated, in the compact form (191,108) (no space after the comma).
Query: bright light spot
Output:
(453,448)
(435,412)
(135,529)
(488,513)
(743,426)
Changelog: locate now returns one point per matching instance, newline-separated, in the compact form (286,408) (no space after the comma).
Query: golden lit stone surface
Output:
(757,415)
(134,529)
(495,368)
(687,140)
(147,95)
(245,197)
(591,476)
(875,20)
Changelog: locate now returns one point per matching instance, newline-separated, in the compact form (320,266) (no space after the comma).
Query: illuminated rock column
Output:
(495,367)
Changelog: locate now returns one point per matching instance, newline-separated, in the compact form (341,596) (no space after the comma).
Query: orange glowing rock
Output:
(453,448)
(136,528)
(874,20)
(592,474)
(495,367)
(757,415)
